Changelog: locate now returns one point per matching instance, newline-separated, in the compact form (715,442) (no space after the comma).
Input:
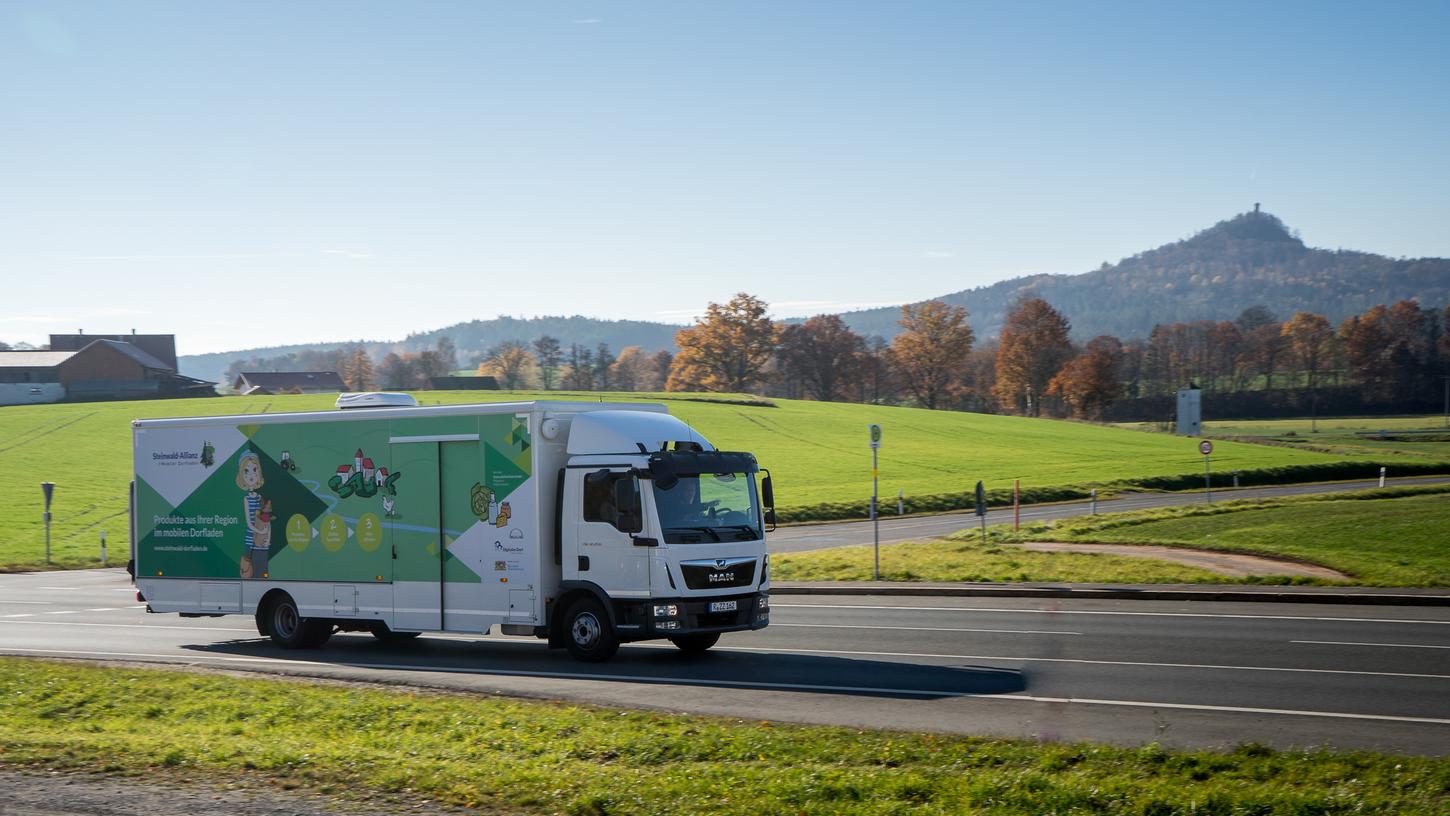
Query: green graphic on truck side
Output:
(329,501)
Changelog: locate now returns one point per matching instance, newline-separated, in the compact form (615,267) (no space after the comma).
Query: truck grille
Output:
(721,573)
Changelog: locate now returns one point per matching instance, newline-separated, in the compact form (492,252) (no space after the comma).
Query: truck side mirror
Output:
(629,517)
(767,500)
(662,473)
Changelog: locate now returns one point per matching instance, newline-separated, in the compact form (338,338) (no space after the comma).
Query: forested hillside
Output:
(472,340)
(1251,259)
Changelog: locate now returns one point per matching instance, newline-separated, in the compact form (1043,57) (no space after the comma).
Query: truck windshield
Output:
(709,507)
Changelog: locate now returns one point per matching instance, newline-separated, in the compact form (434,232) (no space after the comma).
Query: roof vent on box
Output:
(375,399)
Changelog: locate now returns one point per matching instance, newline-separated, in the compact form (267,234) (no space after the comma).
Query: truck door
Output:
(601,552)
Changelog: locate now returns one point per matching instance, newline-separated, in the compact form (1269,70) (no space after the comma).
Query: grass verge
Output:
(528,757)
(1392,537)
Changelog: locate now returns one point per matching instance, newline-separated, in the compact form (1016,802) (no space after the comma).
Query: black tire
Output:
(696,644)
(288,629)
(381,631)
(587,633)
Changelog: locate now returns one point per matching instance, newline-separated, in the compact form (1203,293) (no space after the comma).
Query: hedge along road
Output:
(895,530)
(1207,674)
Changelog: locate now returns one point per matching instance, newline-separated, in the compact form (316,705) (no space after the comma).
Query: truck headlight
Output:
(763,603)
(667,611)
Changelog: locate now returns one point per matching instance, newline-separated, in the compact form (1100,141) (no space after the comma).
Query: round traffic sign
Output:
(1205,447)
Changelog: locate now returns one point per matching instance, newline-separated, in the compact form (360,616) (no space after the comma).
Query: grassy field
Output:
(967,559)
(510,756)
(1391,537)
(1341,436)
(1402,541)
(817,451)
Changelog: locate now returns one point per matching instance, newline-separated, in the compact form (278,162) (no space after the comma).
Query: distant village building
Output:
(288,382)
(83,367)
(482,382)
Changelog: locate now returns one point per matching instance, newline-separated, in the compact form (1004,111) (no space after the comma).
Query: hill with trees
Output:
(1248,260)
(472,341)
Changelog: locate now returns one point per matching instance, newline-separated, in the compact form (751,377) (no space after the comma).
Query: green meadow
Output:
(417,750)
(817,452)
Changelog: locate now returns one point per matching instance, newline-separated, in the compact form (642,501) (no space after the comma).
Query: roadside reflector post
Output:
(1206,447)
(875,431)
(48,488)
(103,548)
(1016,504)
(1382,477)
(900,503)
(1093,502)
(982,510)
(1236,478)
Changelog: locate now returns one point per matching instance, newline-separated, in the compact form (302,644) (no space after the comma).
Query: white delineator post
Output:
(48,488)
(103,548)
(875,517)
(1093,503)
(1382,477)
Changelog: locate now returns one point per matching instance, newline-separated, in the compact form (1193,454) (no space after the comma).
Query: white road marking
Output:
(775,605)
(774,625)
(655,679)
(64,612)
(21,615)
(1358,643)
(35,603)
(129,625)
(58,589)
(1078,660)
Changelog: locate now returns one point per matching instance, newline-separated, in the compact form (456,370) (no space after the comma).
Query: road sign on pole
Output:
(875,431)
(1206,447)
(48,488)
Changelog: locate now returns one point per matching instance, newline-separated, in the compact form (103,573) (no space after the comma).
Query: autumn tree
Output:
(726,350)
(1310,342)
(930,352)
(357,370)
(630,371)
(510,363)
(875,381)
(1089,382)
(547,357)
(1365,341)
(1031,350)
(603,367)
(823,354)
(397,371)
(660,364)
(579,373)
(447,353)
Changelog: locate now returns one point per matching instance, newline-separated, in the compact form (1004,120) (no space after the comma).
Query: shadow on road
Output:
(639,663)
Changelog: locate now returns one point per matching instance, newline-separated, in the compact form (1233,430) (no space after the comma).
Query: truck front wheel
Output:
(587,634)
(695,644)
(290,630)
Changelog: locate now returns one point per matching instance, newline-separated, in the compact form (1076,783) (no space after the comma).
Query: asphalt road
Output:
(916,528)
(1125,672)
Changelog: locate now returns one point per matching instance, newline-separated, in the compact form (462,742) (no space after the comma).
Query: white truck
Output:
(585,524)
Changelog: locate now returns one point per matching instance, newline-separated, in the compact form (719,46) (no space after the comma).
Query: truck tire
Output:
(382,632)
(695,644)
(288,629)
(587,633)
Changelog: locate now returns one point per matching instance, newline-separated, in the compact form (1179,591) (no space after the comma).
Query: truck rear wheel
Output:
(587,633)
(288,629)
(695,644)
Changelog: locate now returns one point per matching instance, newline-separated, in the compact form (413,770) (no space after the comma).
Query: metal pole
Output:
(47,536)
(984,528)
(1093,503)
(1016,504)
(1207,482)
(875,522)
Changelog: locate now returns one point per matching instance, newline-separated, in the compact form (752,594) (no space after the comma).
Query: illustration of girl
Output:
(259,526)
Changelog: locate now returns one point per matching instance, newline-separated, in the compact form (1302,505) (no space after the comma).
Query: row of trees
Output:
(1031,368)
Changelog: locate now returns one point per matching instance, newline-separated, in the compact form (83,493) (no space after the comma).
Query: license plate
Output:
(722,606)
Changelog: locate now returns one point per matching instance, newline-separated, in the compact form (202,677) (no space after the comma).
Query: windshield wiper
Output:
(744,528)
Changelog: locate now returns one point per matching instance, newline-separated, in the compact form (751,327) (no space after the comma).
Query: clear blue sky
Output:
(252,173)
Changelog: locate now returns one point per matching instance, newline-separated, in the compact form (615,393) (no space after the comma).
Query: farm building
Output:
(105,367)
(288,382)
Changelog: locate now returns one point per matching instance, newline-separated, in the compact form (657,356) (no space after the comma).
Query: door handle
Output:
(644,541)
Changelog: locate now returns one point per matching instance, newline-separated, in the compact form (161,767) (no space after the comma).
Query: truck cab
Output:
(659,535)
